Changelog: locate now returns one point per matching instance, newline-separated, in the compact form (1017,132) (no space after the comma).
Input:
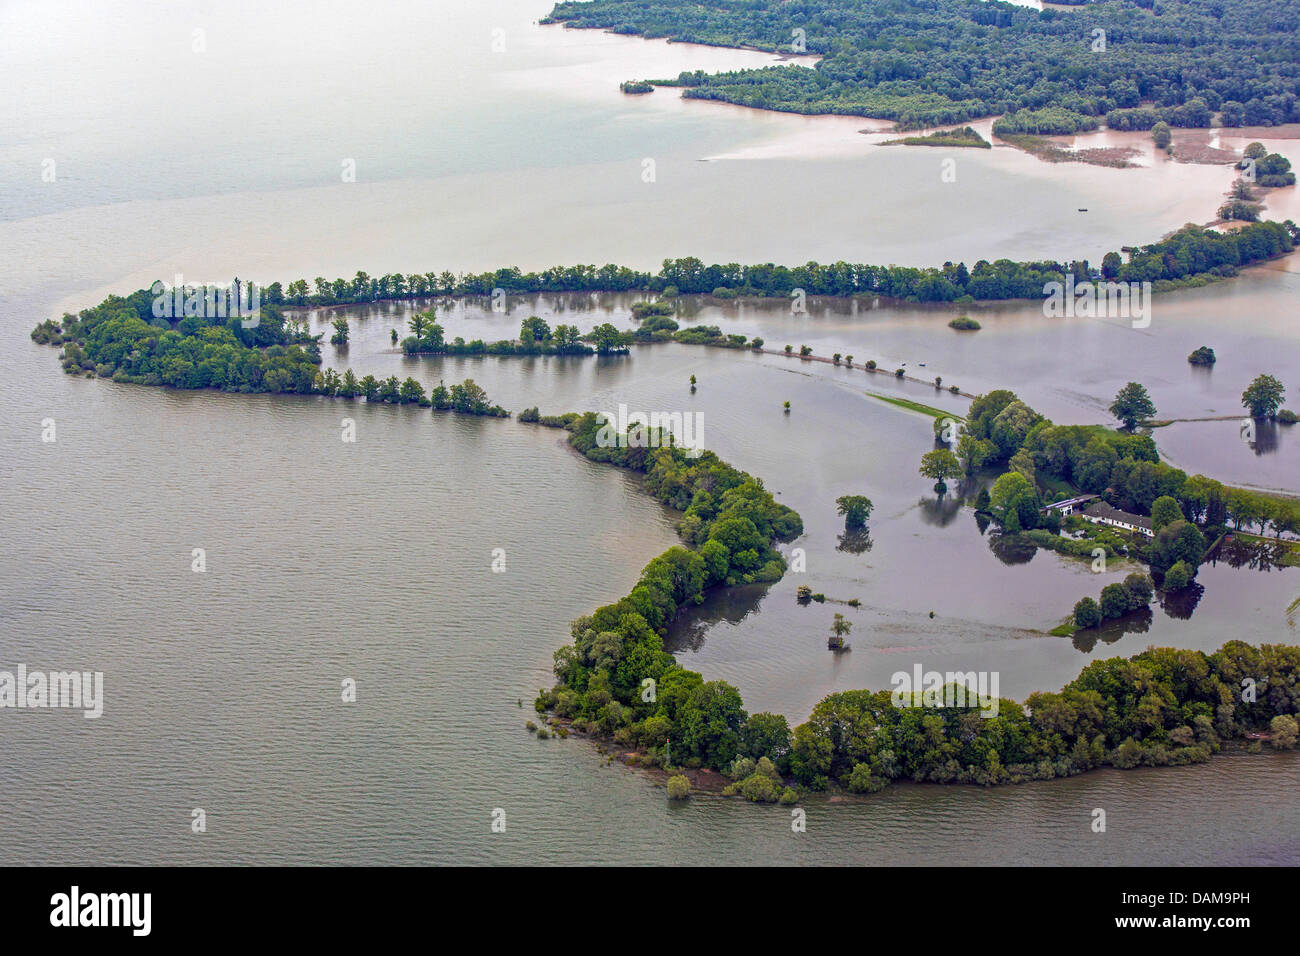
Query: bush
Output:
(1286,416)
(1087,613)
(1178,577)
(964,323)
(1127,755)
(860,780)
(679,788)
(871,364)
(1285,730)
(741,768)
(1115,601)
(759,788)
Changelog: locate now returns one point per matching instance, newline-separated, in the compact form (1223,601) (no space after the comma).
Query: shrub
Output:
(1286,416)
(679,788)
(759,788)
(741,768)
(964,323)
(1284,730)
(1087,613)
(860,780)
(1178,577)
(871,364)
(1114,600)
(1127,755)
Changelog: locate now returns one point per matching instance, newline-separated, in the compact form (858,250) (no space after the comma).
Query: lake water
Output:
(372,561)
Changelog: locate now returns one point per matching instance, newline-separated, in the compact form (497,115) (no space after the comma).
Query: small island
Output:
(966,136)
(1202,356)
(964,323)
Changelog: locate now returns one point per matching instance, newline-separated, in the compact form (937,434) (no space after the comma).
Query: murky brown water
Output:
(372,560)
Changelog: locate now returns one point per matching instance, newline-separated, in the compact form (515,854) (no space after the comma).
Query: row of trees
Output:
(975,59)
(729,523)
(536,337)
(1191,254)
(1117,599)
(111,340)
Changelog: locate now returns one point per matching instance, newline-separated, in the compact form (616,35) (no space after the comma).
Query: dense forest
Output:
(941,62)
(1191,256)
(1160,707)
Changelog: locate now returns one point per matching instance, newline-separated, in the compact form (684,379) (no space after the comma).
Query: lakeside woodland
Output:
(1191,256)
(946,62)
(1161,707)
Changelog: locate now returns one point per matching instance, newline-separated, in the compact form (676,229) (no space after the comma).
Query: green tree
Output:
(1161,135)
(840,628)
(1178,576)
(1178,541)
(1165,510)
(1114,600)
(1013,502)
(1132,405)
(606,339)
(856,510)
(419,322)
(1283,731)
(1139,589)
(534,330)
(940,464)
(340,336)
(1263,397)
(1087,613)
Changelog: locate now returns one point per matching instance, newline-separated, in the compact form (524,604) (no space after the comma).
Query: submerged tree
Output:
(1263,397)
(939,465)
(840,628)
(856,510)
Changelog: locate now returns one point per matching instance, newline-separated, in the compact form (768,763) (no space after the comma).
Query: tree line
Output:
(1192,255)
(945,62)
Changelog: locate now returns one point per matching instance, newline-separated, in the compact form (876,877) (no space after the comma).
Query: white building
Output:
(1102,513)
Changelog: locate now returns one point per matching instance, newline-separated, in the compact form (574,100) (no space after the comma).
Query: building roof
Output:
(1070,502)
(1103,510)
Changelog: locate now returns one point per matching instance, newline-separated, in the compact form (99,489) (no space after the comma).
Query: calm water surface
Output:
(372,561)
